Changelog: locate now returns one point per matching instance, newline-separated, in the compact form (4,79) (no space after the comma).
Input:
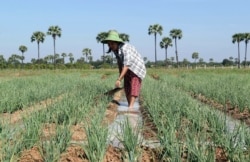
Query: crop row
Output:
(189,129)
(77,107)
(223,88)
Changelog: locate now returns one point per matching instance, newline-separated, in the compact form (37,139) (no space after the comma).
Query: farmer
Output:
(131,66)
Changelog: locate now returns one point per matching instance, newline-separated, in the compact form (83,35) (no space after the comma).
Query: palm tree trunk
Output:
(38,52)
(22,59)
(155,51)
(245,56)
(176,53)
(103,52)
(54,51)
(239,55)
(166,57)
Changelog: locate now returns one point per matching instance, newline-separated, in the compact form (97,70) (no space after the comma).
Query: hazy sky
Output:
(207,26)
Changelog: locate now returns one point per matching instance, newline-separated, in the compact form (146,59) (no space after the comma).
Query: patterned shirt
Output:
(133,59)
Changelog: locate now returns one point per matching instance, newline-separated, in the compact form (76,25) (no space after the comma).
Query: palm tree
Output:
(54,31)
(100,37)
(154,29)
(71,57)
(56,57)
(176,34)
(64,55)
(124,37)
(201,60)
(165,43)
(23,49)
(50,58)
(238,38)
(39,37)
(46,59)
(246,38)
(195,56)
(86,52)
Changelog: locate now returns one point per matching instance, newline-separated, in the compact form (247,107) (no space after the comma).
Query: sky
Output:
(207,26)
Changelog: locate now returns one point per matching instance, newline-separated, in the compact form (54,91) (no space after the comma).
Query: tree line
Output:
(55,61)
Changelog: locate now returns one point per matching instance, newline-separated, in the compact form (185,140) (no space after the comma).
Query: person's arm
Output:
(124,71)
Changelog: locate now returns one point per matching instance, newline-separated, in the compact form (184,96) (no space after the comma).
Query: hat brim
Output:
(107,40)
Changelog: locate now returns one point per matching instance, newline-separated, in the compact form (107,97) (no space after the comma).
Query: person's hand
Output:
(117,83)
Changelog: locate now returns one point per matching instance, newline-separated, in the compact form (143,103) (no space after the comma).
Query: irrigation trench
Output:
(134,118)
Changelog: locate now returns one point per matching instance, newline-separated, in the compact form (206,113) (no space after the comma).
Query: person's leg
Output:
(131,101)
(127,87)
(135,90)
(132,85)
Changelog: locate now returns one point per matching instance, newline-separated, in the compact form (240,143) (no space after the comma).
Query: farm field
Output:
(62,115)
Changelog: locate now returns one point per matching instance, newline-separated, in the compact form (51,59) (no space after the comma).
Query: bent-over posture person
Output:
(131,66)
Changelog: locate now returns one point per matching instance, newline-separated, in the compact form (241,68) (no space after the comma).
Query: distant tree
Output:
(2,61)
(14,59)
(54,31)
(90,58)
(238,38)
(81,60)
(165,43)
(124,37)
(227,62)
(100,37)
(23,49)
(86,52)
(246,39)
(154,29)
(172,60)
(231,58)
(51,58)
(195,56)
(33,60)
(185,62)
(201,61)
(46,59)
(211,61)
(56,58)
(108,59)
(71,58)
(64,55)
(236,61)
(176,34)
(39,37)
